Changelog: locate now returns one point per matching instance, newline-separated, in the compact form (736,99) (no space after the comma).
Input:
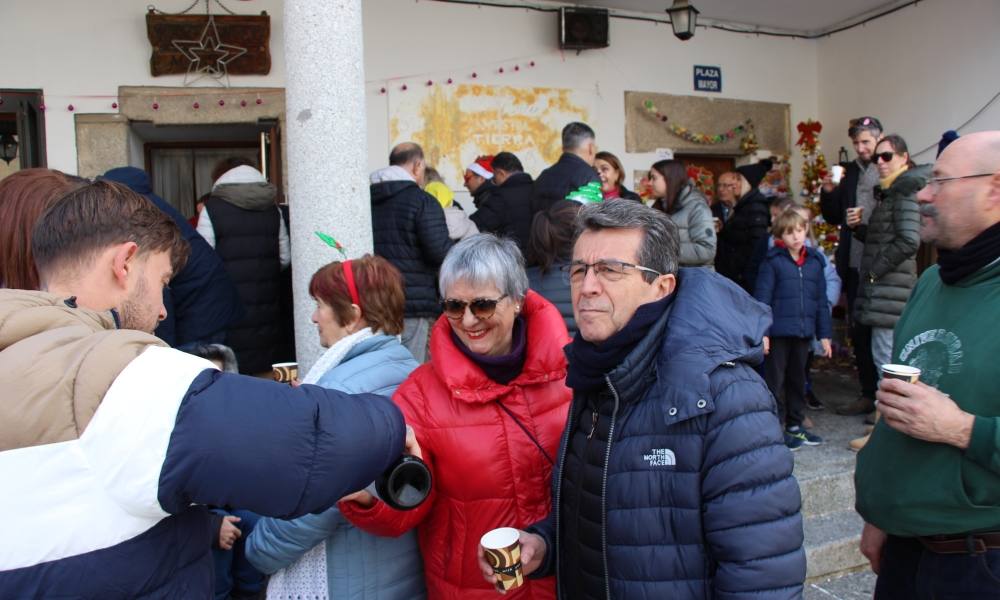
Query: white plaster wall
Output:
(72,49)
(923,70)
(433,40)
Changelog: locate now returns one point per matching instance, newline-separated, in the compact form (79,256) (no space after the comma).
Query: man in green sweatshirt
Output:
(928,482)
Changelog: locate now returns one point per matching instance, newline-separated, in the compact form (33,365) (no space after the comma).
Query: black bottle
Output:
(404,485)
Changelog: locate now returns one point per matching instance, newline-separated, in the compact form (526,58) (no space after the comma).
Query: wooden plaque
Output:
(250,33)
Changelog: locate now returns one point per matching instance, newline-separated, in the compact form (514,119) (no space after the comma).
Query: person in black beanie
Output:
(669,424)
(749,223)
(946,139)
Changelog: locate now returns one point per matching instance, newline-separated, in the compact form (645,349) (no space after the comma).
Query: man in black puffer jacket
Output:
(507,212)
(410,231)
(574,169)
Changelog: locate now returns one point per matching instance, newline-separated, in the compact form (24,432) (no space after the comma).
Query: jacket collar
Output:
(544,360)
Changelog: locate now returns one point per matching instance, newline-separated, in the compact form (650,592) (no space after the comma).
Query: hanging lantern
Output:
(8,147)
(683,18)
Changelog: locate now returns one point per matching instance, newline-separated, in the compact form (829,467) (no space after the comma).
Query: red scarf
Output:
(801,260)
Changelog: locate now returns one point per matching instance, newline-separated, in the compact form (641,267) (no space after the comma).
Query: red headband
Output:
(349,279)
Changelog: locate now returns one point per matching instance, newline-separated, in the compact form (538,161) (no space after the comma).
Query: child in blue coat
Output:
(791,281)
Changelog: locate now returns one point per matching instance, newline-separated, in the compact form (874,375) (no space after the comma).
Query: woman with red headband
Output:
(359,316)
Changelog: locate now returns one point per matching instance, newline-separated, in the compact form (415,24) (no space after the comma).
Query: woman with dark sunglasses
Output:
(488,410)
(891,238)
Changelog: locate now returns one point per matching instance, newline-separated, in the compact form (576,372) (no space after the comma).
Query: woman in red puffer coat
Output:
(488,411)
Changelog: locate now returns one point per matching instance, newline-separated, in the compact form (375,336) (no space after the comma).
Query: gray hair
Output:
(485,259)
(660,245)
(576,134)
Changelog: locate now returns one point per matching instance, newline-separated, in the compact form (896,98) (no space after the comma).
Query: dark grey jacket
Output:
(888,265)
(695,229)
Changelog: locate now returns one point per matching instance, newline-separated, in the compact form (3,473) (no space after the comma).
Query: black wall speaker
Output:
(583,28)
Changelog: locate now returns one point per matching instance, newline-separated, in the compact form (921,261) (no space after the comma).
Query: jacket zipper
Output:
(604,492)
(558,475)
(802,302)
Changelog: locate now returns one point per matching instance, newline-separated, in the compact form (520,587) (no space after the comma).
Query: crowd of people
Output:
(618,379)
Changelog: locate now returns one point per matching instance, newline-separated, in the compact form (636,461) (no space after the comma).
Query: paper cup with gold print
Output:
(503,552)
(285,372)
(902,372)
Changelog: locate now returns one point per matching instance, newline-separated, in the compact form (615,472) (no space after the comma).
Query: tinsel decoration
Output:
(587,194)
(703,180)
(813,172)
(748,143)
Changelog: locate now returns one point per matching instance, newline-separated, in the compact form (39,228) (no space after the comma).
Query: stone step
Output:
(825,494)
(831,543)
(859,585)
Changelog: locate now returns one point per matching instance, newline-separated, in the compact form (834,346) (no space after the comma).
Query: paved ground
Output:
(855,586)
(834,387)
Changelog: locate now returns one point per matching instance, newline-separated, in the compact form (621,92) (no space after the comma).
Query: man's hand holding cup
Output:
(508,555)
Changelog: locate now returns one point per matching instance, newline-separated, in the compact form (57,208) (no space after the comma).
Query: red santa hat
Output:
(482,166)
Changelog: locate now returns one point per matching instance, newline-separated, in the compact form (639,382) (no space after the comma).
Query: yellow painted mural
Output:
(455,124)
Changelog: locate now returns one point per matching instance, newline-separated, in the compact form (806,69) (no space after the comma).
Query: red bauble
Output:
(430,83)
(156,106)
(531,64)
(500,70)
(517,67)
(243,103)
(114,105)
(222,102)
(474,75)
(259,101)
(196,106)
(70,108)
(404,87)
(449,81)
(381,90)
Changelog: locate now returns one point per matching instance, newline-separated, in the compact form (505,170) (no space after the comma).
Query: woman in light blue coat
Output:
(359,314)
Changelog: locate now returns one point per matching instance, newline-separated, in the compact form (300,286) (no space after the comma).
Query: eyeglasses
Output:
(482,308)
(883,156)
(608,270)
(935,183)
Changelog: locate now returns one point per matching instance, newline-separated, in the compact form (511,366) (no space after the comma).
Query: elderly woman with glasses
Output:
(488,410)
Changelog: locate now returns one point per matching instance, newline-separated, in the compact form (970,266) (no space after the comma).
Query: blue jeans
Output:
(911,572)
(233,572)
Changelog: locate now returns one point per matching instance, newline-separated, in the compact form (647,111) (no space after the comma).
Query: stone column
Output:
(327,152)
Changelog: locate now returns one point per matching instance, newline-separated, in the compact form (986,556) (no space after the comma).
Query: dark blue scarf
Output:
(501,369)
(589,363)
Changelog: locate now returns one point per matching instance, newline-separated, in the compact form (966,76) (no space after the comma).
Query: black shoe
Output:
(859,406)
(812,402)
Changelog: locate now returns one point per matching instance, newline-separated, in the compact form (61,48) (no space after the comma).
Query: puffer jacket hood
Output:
(248,196)
(133,177)
(712,321)
(56,364)
(383,191)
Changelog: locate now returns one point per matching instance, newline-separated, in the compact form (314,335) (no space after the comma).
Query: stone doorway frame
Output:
(104,140)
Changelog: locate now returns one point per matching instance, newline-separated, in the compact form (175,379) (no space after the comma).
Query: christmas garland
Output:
(748,142)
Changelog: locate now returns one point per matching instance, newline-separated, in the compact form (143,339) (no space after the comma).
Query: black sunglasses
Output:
(482,308)
(883,156)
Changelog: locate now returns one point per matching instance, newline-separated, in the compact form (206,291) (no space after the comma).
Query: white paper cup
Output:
(901,372)
(836,174)
(503,552)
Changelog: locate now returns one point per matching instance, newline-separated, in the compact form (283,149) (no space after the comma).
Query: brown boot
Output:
(858,443)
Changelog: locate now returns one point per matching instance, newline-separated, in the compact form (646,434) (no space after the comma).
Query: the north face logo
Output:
(660,457)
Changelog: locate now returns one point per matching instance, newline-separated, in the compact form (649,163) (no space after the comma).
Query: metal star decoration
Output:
(209,56)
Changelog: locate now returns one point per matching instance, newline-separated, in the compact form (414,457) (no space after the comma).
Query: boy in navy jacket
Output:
(791,281)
